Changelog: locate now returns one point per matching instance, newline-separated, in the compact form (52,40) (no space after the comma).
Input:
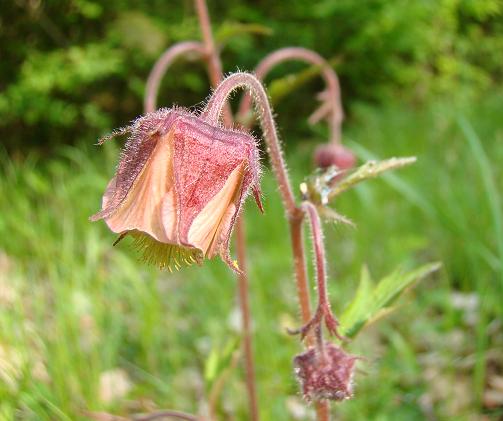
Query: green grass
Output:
(73,307)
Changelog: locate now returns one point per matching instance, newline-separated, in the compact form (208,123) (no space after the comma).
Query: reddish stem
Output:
(323,310)
(299,261)
(332,95)
(216,75)
(162,65)
(246,317)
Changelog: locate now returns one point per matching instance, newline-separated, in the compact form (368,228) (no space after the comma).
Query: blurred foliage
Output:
(77,68)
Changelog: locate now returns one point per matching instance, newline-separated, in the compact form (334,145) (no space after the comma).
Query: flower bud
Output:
(179,186)
(326,374)
(330,154)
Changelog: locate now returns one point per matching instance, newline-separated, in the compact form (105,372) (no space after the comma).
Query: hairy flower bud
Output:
(325,375)
(179,186)
(329,154)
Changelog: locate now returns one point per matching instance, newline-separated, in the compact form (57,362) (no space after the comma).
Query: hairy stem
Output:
(214,66)
(319,252)
(162,65)
(299,261)
(212,113)
(332,96)
(323,311)
(246,318)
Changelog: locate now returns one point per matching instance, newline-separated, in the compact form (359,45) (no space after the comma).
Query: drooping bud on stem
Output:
(331,107)
(325,375)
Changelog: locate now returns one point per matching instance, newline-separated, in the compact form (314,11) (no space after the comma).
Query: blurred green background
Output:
(86,327)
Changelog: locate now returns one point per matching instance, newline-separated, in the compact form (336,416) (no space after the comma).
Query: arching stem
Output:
(161,66)
(212,113)
(331,106)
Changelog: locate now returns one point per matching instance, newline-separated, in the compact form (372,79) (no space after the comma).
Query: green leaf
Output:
(281,87)
(357,312)
(229,30)
(371,169)
(211,366)
(219,359)
(370,303)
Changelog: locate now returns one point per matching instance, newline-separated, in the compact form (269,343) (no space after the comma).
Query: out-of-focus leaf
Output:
(323,185)
(282,87)
(137,31)
(372,302)
(211,365)
(328,214)
(219,359)
(370,169)
(229,30)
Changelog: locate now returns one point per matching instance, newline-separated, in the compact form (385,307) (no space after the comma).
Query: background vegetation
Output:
(76,315)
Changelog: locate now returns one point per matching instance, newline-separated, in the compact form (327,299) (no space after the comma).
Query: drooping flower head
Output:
(179,186)
(325,376)
(331,154)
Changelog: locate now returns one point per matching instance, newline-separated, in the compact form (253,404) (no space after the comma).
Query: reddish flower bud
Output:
(330,154)
(179,186)
(327,375)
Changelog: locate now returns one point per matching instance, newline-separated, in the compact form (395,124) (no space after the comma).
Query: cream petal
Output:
(142,208)
(169,216)
(206,229)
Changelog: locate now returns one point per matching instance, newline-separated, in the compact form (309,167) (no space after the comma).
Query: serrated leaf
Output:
(371,169)
(369,303)
(324,184)
(388,290)
(357,312)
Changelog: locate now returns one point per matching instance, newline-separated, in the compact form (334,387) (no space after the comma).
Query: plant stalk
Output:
(212,113)
(215,72)
(331,97)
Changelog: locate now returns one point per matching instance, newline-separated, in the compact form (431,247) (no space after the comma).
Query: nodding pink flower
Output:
(179,187)
(326,374)
(331,154)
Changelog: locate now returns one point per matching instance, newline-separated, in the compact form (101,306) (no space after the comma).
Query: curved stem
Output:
(332,101)
(213,111)
(162,65)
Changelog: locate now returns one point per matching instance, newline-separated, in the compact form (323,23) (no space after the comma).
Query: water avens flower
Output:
(179,187)
(325,373)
